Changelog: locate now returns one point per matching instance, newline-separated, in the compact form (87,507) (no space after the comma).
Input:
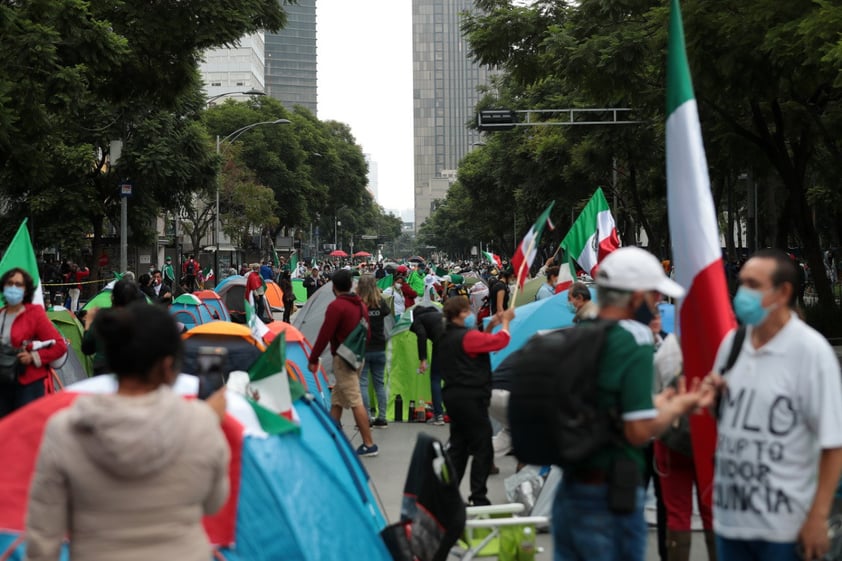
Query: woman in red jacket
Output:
(23,323)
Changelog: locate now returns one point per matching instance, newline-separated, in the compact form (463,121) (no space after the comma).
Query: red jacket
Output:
(32,324)
(409,295)
(341,317)
(77,276)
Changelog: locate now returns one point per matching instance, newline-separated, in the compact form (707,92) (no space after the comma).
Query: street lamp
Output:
(229,139)
(252,92)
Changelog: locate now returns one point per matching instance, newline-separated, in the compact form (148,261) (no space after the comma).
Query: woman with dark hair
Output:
(289,295)
(21,324)
(467,389)
(130,475)
(123,293)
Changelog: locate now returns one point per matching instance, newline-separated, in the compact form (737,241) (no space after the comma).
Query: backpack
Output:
(554,415)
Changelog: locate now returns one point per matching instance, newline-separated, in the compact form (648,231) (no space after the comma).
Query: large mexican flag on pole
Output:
(592,236)
(705,315)
(528,248)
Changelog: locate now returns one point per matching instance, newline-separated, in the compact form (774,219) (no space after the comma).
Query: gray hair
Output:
(612,297)
(580,290)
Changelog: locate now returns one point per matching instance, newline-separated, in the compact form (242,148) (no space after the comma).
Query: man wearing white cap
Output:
(598,511)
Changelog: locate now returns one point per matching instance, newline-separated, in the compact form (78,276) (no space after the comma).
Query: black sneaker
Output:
(380,424)
(367,451)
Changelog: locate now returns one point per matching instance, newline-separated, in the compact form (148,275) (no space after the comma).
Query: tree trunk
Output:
(637,203)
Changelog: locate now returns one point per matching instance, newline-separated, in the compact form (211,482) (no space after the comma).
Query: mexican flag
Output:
(208,274)
(592,236)
(293,264)
(258,328)
(268,378)
(493,259)
(705,314)
(386,282)
(20,253)
(528,248)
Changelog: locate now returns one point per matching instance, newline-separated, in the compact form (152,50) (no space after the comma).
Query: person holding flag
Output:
(527,250)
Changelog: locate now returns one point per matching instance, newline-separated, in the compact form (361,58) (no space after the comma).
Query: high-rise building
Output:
(445,95)
(235,69)
(291,57)
(372,177)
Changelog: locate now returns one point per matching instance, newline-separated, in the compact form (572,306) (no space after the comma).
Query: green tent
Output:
(529,290)
(72,330)
(101,300)
(402,377)
(299,290)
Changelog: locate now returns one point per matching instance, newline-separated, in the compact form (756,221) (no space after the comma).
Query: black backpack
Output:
(554,416)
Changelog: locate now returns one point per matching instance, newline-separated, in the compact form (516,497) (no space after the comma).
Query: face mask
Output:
(571,307)
(748,305)
(471,321)
(13,295)
(644,314)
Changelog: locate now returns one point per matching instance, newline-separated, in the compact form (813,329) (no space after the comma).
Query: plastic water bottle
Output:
(421,412)
(526,552)
(398,409)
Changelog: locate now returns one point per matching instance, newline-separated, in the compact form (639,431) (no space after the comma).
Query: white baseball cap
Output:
(633,268)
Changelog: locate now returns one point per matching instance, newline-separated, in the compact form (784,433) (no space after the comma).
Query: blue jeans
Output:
(755,550)
(435,388)
(14,396)
(375,362)
(585,529)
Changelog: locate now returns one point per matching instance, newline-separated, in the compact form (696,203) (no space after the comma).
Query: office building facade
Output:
(236,69)
(445,82)
(291,58)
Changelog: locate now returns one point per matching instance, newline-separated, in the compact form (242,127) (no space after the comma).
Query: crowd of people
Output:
(775,391)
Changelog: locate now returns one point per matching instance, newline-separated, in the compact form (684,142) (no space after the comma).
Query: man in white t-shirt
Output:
(779,450)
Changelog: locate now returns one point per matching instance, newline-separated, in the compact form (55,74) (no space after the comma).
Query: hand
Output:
(813,537)
(25,358)
(681,400)
(508,315)
(711,387)
(217,402)
(313,367)
(423,366)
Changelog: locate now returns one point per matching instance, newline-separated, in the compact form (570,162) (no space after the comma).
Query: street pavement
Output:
(388,474)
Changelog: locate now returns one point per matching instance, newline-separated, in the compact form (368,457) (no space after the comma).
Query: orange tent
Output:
(274,295)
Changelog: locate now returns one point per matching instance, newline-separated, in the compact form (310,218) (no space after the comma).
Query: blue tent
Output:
(191,311)
(552,313)
(306,496)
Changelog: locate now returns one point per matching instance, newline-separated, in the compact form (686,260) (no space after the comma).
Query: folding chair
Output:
(488,528)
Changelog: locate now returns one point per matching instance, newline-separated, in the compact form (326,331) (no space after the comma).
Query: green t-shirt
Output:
(625,383)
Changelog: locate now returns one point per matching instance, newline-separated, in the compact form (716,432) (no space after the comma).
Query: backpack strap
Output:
(736,347)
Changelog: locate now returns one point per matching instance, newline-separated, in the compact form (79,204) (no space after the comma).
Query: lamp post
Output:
(229,139)
(252,92)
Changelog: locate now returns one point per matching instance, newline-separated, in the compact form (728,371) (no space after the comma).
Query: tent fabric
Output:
(527,294)
(401,372)
(101,300)
(300,291)
(71,371)
(71,329)
(297,354)
(311,316)
(190,310)
(215,304)
(279,485)
(232,290)
(275,296)
(243,349)
(477,295)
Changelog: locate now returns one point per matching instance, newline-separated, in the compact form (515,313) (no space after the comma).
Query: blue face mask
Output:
(13,295)
(748,305)
(571,308)
(471,321)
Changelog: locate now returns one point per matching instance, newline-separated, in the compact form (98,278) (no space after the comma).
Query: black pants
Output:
(470,435)
(288,307)
(14,396)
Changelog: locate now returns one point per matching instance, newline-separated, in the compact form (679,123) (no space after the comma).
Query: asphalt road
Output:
(388,473)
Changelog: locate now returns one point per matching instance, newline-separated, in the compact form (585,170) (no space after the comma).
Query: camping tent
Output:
(214,303)
(232,290)
(311,316)
(530,288)
(101,300)
(280,484)
(402,363)
(297,354)
(71,329)
(242,348)
(300,291)
(275,296)
(190,310)
(477,295)
(69,371)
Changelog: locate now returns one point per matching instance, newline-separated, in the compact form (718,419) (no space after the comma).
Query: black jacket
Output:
(463,375)
(427,323)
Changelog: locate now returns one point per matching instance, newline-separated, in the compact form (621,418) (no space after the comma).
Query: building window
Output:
(216,83)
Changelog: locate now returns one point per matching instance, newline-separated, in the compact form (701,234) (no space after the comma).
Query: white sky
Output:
(365,80)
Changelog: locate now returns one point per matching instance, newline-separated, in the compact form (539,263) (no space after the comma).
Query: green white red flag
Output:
(705,314)
(527,250)
(20,253)
(269,379)
(208,274)
(592,236)
(493,258)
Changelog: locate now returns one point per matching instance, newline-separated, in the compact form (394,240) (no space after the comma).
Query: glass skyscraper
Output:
(291,58)
(445,95)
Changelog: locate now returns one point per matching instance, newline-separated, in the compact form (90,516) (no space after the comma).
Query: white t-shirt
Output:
(783,405)
(398,302)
